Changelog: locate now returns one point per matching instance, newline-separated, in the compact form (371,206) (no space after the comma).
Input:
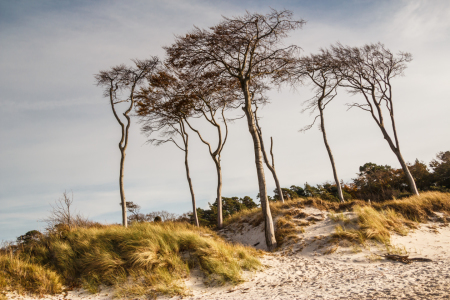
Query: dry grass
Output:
(339,217)
(419,208)
(20,275)
(374,225)
(378,221)
(374,222)
(144,259)
(286,230)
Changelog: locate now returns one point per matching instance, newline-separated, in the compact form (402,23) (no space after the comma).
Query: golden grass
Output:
(286,230)
(419,208)
(375,222)
(156,256)
(339,217)
(20,275)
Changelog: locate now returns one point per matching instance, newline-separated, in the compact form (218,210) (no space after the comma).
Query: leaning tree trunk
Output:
(194,207)
(336,179)
(412,183)
(268,222)
(396,150)
(219,194)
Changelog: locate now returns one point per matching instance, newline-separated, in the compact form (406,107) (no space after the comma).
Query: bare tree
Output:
(368,71)
(269,165)
(182,98)
(211,98)
(242,49)
(163,108)
(320,69)
(120,85)
(62,214)
(164,215)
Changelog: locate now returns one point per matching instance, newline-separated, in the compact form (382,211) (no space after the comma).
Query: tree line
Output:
(373,183)
(207,73)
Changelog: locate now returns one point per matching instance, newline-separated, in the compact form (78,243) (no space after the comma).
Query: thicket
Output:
(380,182)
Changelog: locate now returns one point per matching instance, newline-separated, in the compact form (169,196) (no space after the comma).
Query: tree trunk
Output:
(219,195)
(396,150)
(268,222)
(194,208)
(271,167)
(336,179)
(122,190)
(280,191)
(412,183)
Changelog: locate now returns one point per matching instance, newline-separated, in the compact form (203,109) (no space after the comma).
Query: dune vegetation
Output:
(144,259)
(374,221)
(151,258)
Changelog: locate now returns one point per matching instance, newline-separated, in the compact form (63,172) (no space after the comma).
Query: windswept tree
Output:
(163,107)
(188,98)
(320,70)
(242,49)
(210,100)
(368,71)
(120,84)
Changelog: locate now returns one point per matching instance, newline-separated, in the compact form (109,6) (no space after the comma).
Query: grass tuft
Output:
(286,230)
(20,275)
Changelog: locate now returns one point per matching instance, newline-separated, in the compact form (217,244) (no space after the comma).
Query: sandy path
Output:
(298,277)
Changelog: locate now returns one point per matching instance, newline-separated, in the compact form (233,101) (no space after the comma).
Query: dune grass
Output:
(144,259)
(374,221)
(20,275)
(375,225)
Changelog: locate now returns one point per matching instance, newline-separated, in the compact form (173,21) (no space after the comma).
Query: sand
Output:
(303,271)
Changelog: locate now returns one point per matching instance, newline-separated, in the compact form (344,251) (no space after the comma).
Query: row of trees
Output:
(380,182)
(208,72)
(374,182)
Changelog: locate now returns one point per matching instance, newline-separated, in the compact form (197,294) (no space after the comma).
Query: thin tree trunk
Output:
(270,166)
(336,179)
(216,158)
(122,190)
(194,207)
(268,222)
(280,191)
(122,146)
(219,195)
(396,150)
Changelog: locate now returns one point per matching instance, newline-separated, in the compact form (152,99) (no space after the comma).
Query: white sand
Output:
(302,271)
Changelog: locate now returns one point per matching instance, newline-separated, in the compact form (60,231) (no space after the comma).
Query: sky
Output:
(57,131)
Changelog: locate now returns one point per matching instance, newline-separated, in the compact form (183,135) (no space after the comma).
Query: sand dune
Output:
(302,270)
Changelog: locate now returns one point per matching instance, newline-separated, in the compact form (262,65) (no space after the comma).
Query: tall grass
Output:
(378,221)
(375,221)
(20,275)
(375,225)
(144,259)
